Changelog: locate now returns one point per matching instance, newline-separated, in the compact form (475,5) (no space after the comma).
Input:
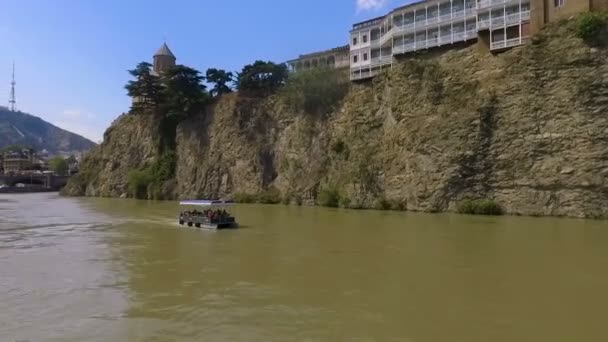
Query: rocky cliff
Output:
(527,128)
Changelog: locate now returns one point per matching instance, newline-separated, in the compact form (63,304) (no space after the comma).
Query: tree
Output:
(220,78)
(59,166)
(184,92)
(146,89)
(262,77)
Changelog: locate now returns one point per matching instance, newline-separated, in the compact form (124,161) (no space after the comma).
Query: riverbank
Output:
(25,190)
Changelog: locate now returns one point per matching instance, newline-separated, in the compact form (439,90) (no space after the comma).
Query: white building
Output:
(429,24)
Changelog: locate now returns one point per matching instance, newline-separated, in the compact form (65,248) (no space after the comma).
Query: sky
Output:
(72,56)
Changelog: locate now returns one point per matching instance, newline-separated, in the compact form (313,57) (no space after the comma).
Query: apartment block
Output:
(335,58)
(498,24)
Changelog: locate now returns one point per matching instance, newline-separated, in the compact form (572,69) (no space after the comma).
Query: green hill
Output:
(17,128)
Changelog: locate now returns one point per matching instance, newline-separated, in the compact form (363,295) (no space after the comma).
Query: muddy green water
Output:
(121,270)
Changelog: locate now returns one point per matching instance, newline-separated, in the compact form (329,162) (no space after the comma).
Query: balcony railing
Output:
(387,36)
(445,18)
(432,42)
(382,60)
(507,43)
(489,3)
(363,74)
(502,21)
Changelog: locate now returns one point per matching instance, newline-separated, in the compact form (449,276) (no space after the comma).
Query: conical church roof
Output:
(164,51)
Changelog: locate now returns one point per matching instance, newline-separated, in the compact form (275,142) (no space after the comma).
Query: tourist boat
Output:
(213,216)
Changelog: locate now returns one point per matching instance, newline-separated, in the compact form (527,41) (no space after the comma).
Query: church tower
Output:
(164,59)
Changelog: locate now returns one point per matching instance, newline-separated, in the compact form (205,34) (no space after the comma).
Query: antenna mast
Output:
(12,100)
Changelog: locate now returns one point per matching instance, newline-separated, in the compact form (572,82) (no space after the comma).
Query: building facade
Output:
(18,161)
(335,58)
(498,24)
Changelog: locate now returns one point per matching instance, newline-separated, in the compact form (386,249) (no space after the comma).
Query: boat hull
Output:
(213,226)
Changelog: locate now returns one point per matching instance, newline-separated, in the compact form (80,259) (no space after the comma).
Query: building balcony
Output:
(433,42)
(386,37)
(434,21)
(486,4)
(481,4)
(382,60)
(497,22)
(507,43)
(363,74)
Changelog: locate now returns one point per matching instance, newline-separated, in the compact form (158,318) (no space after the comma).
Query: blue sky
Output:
(72,55)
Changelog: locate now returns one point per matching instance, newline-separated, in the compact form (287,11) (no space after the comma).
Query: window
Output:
(560,3)
(364,38)
(355,41)
(355,58)
(365,56)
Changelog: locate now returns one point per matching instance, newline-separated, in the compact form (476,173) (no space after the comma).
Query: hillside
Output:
(525,128)
(24,129)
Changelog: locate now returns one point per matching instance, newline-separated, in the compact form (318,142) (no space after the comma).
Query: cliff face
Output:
(129,144)
(527,128)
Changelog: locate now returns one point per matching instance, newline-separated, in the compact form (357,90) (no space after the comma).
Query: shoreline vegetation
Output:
(331,198)
(461,130)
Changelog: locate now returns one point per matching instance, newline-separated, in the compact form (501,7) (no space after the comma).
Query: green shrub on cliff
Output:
(316,91)
(479,207)
(329,197)
(242,197)
(270,196)
(138,182)
(382,204)
(591,25)
(163,168)
(147,182)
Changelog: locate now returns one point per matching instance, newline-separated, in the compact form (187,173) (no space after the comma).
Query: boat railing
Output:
(206,220)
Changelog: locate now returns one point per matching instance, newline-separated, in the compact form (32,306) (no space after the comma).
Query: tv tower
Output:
(12,100)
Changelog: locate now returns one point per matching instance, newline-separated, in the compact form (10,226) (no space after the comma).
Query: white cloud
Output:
(80,122)
(366,5)
(76,114)
(88,131)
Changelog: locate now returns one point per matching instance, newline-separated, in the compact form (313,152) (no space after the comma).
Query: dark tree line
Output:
(181,91)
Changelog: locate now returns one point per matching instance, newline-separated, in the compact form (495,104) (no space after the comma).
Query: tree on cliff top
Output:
(262,77)
(185,93)
(146,87)
(220,78)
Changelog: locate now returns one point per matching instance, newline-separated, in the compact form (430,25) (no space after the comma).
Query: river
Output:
(80,269)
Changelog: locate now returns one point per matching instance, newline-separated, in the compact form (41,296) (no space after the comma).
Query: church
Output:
(164,60)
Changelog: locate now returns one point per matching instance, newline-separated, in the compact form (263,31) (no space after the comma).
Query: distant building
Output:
(18,161)
(422,25)
(335,58)
(164,60)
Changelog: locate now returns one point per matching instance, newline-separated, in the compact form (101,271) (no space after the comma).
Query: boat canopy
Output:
(206,203)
